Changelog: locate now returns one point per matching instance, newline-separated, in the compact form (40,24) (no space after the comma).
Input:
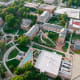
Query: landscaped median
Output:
(13,54)
(23,48)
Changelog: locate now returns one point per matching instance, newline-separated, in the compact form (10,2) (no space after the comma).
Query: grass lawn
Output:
(68,37)
(71,53)
(13,54)
(9,45)
(23,48)
(55,20)
(2,67)
(13,63)
(53,36)
(65,47)
(48,43)
(21,32)
(75,36)
(42,48)
(78,52)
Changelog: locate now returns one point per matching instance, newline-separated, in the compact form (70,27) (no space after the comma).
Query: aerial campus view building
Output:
(39,40)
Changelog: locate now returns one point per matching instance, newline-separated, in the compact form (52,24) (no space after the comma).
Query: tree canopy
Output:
(29,73)
(23,40)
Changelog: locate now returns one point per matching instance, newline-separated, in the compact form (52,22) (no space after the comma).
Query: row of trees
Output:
(72,2)
(28,72)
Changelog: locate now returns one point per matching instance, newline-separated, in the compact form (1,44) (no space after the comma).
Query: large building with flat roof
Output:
(72,13)
(49,62)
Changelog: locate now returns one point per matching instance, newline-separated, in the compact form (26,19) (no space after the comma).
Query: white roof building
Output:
(44,17)
(74,23)
(31,5)
(47,7)
(25,23)
(32,32)
(49,62)
(72,13)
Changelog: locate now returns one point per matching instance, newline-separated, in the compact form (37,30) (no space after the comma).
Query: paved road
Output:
(5,58)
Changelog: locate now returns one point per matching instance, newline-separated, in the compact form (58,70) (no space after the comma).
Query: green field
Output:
(13,63)
(23,48)
(21,32)
(13,54)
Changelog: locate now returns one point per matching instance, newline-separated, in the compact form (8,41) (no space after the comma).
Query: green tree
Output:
(19,71)
(29,75)
(23,40)
(42,76)
(36,39)
(17,78)
(28,66)
(11,20)
(64,18)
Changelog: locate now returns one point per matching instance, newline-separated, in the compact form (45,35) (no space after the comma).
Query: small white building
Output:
(33,31)
(49,62)
(49,1)
(44,17)
(25,24)
(74,25)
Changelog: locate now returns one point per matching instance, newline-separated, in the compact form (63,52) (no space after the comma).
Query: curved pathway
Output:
(5,58)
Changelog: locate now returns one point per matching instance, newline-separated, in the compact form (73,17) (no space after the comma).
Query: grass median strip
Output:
(13,54)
